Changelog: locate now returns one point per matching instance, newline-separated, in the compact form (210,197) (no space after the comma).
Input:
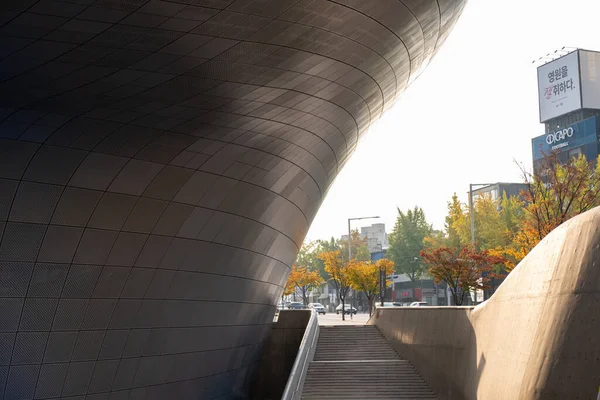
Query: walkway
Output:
(356,362)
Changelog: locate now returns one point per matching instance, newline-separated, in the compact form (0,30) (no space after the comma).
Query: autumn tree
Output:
(556,192)
(464,269)
(456,223)
(305,280)
(338,272)
(322,247)
(364,276)
(560,191)
(290,285)
(406,242)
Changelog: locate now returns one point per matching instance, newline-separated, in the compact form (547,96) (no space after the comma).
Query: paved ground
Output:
(334,319)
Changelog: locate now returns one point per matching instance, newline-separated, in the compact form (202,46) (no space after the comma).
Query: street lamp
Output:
(350,234)
(350,248)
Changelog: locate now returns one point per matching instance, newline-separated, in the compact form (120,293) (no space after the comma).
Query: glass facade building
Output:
(577,138)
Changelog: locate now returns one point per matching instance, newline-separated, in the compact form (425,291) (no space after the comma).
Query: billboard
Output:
(559,88)
(589,67)
(563,139)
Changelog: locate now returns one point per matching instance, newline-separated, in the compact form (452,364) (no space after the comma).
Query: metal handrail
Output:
(306,351)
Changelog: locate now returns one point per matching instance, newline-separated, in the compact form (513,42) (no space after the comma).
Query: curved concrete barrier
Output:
(538,337)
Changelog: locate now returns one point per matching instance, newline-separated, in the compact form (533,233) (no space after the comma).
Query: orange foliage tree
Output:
(364,276)
(463,269)
(556,193)
(290,285)
(338,271)
(305,280)
(560,191)
(301,281)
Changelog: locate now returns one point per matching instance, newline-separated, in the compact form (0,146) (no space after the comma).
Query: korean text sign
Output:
(559,88)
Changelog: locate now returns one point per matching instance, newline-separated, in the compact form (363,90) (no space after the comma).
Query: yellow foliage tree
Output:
(306,280)
(338,272)
(364,276)
(290,285)
(302,281)
(558,193)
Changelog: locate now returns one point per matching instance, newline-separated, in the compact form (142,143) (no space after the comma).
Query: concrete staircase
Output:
(356,362)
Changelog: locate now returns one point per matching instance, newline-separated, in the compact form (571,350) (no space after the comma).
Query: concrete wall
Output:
(538,337)
(279,354)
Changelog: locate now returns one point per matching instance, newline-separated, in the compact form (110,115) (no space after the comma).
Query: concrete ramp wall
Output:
(538,337)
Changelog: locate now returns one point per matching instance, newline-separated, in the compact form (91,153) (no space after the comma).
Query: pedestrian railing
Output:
(306,352)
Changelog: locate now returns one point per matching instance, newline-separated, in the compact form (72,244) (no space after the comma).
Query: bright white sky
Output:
(464,120)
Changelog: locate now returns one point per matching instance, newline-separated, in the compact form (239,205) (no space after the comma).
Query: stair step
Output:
(357,362)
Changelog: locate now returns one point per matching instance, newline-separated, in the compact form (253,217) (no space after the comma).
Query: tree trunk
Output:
(343,308)
(370,301)
(457,301)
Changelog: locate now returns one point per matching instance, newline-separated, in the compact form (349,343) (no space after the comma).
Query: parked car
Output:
(318,307)
(391,304)
(348,309)
(296,305)
(419,304)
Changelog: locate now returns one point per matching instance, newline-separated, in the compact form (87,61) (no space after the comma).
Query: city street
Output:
(335,319)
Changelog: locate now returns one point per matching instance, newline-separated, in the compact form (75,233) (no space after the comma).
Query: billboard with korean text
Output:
(559,88)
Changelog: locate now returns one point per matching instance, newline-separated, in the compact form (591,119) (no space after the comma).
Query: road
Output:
(334,319)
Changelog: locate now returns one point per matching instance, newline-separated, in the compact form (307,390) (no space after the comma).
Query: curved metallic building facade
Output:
(160,164)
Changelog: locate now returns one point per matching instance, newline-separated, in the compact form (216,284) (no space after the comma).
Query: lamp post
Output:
(350,234)
(350,248)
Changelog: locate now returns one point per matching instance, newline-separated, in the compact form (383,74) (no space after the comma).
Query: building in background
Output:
(569,100)
(571,141)
(497,190)
(377,238)
(403,290)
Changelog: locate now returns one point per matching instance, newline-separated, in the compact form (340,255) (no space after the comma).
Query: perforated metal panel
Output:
(160,164)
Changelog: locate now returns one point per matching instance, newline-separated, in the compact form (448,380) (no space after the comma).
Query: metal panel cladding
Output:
(160,164)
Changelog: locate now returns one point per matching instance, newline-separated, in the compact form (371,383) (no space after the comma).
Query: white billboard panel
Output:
(559,86)
(590,78)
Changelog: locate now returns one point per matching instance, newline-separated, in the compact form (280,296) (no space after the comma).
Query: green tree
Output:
(308,256)
(490,227)
(406,242)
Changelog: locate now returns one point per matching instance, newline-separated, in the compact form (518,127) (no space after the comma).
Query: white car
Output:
(419,304)
(348,309)
(318,307)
